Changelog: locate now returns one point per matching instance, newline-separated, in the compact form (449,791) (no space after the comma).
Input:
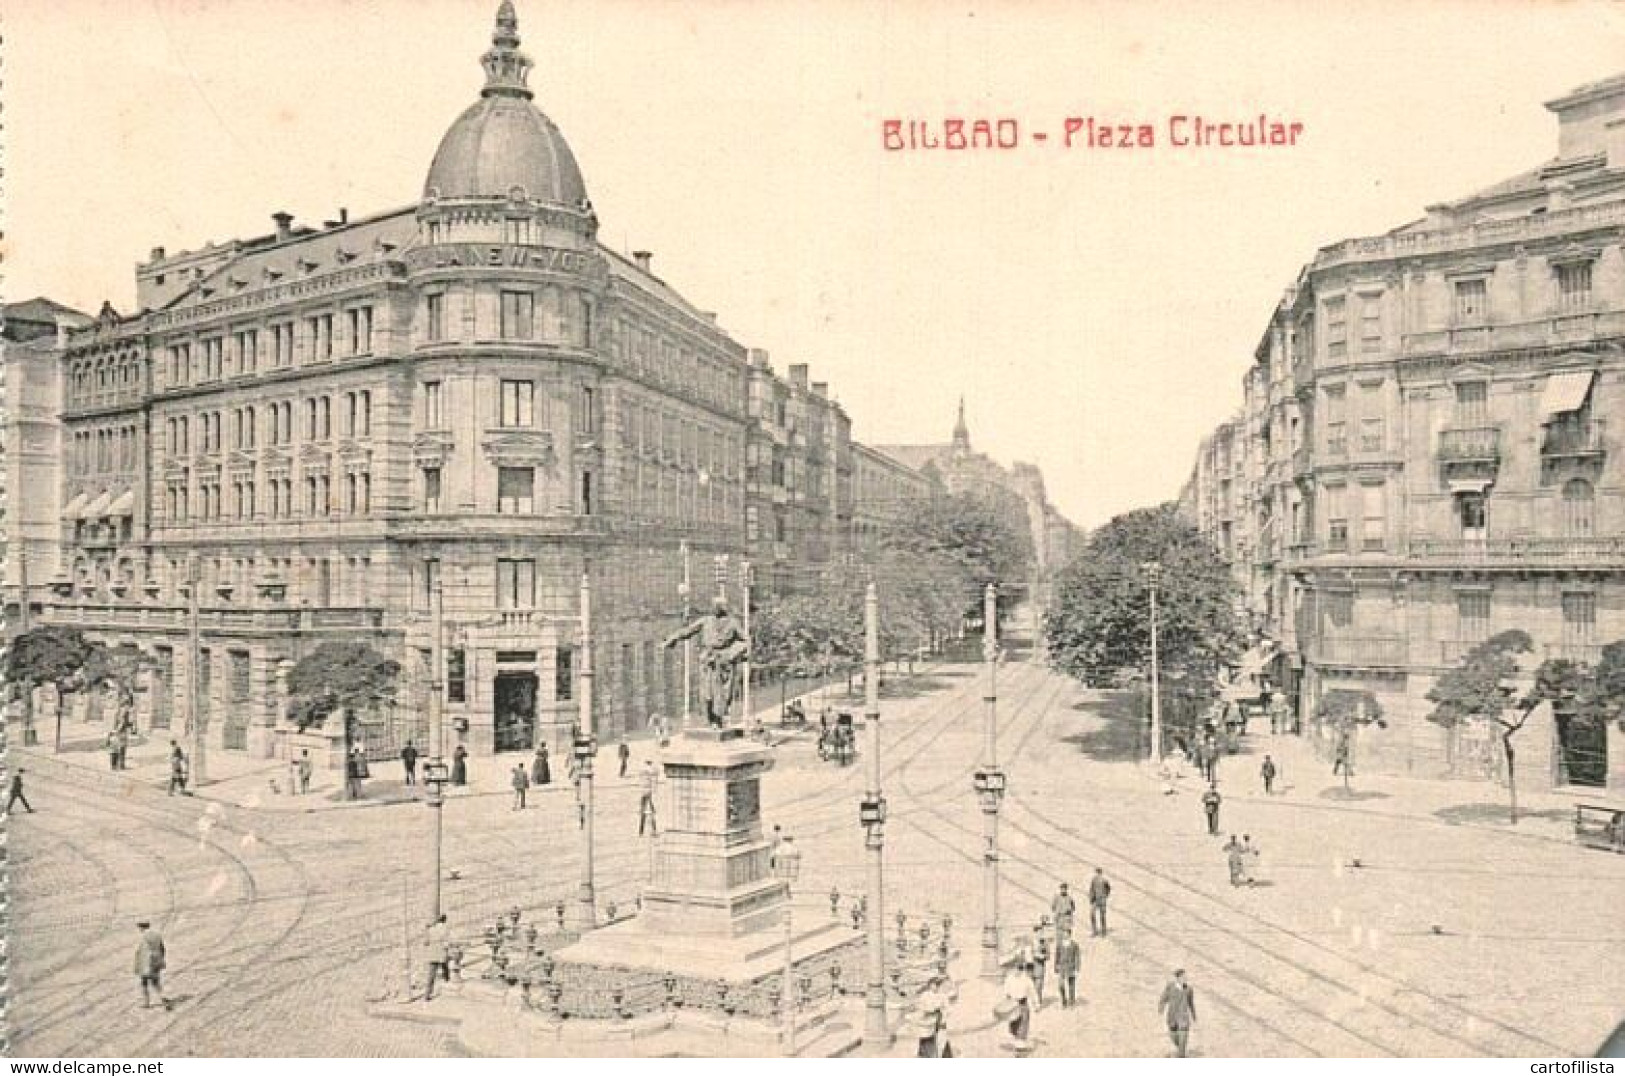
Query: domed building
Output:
(469,394)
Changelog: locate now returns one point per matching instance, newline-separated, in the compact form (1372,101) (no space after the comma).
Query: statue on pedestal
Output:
(722,649)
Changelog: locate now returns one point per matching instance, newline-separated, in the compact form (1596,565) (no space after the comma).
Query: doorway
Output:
(513,712)
(1582,752)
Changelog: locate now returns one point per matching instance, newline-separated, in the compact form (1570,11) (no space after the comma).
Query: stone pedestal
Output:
(713,908)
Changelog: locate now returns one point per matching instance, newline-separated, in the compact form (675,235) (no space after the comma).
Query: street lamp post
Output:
(194,640)
(435,771)
(1153,577)
(24,625)
(990,785)
(685,591)
(586,751)
(786,866)
(872,816)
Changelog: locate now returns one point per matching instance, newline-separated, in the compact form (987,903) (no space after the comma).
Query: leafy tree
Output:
(117,669)
(985,534)
(1602,697)
(1348,710)
(50,654)
(1481,688)
(1100,620)
(348,676)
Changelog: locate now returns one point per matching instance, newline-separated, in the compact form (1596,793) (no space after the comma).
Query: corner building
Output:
(1430,452)
(323,421)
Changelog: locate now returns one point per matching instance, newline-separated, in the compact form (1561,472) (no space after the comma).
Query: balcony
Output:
(1521,553)
(1515,229)
(1582,652)
(1544,332)
(1573,440)
(1366,652)
(1473,444)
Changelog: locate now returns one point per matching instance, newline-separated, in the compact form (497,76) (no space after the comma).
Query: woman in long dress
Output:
(541,772)
(1020,992)
(459,766)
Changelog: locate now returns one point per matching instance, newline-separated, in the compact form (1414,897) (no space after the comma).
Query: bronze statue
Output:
(723,648)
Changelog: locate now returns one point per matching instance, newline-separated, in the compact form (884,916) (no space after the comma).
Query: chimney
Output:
(798,374)
(284,225)
(157,254)
(821,388)
(343,219)
(759,359)
(643,258)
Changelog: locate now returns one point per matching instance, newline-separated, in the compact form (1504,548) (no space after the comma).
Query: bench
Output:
(1600,826)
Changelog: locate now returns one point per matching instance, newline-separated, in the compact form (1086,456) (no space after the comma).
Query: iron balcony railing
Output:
(1580,438)
(1586,552)
(1364,651)
(1470,443)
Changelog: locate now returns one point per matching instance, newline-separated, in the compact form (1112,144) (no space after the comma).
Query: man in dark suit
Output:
(409,761)
(149,965)
(1178,1004)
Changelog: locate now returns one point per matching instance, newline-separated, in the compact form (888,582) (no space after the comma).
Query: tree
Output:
(51,654)
(1099,619)
(1348,710)
(348,676)
(982,532)
(117,669)
(1602,697)
(1482,685)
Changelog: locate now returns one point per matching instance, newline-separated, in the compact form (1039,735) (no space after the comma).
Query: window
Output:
(456,675)
(518,315)
(1579,509)
(431,405)
(327,417)
(516,230)
(1371,434)
(240,666)
(352,493)
(1472,403)
(282,344)
(1339,611)
(1579,617)
(1336,328)
(435,311)
(431,489)
(564,679)
(518,403)
(1472,511)
(587,421)
(1373,519)
(1337,520)
(1473,616)
(1472,300)
(428,574)
(1336,427)
(1574,287)
(312,412)
(320,329)
(516,490)
(1370,324)
(360,330)
(516,584)
(753,523)
(586,493)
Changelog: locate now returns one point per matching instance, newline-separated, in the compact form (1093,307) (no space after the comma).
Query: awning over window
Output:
(98,507)
(123,505)
(75,508)
(1566,391)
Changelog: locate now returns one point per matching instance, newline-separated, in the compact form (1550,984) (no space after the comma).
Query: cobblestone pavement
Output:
(283,926)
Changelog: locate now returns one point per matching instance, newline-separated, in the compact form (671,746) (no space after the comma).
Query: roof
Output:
(40,308)
(915,456)
(501,145)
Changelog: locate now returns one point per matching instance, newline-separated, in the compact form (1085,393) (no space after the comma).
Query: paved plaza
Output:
(1454,935)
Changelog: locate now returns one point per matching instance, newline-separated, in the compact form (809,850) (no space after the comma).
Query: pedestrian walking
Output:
(16,794)
(1020,999)
(436,946)
(1210,805)
(1178,1005)
(1340,762)
(520,784)
(355,769)
(646,803)
(121,740)
(541,769)
(1041,954)
(293,776)
(177,769)
(1232,854)
(306,767)
(931,1019)
(1100,891)
(1064,910)
(624,753)
(149,965)
(409,762)
(459,765)
(1249,860)
(1268,771)
(1068,956)
(111,743)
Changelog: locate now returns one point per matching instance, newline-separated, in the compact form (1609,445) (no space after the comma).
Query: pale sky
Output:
(1096,308)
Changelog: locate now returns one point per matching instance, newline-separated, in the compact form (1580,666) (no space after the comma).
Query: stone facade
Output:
(320,421)
(1427,454)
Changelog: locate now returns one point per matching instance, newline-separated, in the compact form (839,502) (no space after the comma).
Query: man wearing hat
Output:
(1178,1004)
(149,965)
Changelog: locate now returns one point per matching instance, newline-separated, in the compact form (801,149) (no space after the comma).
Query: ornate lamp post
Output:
(435,771)
(1153,579)
(989,783)
(786,867)
(872,815)
(586,751)
(200,704)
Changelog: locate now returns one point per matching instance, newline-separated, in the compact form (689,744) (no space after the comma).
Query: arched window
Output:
(1579,507)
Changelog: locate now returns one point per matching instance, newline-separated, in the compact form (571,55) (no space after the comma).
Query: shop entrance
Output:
(514,711)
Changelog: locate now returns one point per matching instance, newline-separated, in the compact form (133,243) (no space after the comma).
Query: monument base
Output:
(630,944)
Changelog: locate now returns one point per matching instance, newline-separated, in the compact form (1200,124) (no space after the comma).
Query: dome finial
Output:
(961,430)
(505,66)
